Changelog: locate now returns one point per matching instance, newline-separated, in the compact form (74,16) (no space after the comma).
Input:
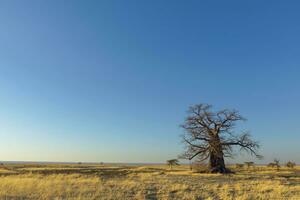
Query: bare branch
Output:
(245,143)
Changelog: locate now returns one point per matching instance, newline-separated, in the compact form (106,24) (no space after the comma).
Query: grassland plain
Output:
(82,181)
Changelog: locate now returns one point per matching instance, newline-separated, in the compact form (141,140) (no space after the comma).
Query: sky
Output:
(110,81)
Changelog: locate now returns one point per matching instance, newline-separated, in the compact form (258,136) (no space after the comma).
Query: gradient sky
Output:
(111,80)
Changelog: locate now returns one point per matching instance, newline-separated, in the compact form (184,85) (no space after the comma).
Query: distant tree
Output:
(172,163)
(239,166)
(249,164)
(271,164)
(209,136)
(275,163)
(290,164)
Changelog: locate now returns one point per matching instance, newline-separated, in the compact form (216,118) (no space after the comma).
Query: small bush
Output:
(290,164)
(239,166)
(274,164)
(249,164)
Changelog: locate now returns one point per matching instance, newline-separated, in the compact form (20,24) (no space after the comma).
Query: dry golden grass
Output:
(146,182)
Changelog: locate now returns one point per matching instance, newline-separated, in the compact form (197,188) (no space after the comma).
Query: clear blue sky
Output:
(111,80)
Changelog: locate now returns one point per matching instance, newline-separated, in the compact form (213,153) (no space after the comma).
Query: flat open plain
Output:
(82,181)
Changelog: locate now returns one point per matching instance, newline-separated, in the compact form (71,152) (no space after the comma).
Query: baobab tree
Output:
(210,136)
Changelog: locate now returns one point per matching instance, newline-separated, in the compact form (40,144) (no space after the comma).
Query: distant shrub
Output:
(290,164)
(249,164)
(274,164)
(277,164)
(271,164)
(239,166)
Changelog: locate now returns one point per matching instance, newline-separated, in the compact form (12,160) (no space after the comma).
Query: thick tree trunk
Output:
(216,159)
(216,163)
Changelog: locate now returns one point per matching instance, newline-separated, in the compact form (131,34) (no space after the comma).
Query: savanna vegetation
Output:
(82,181)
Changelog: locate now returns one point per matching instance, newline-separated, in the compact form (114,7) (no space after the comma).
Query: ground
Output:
(82,181)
